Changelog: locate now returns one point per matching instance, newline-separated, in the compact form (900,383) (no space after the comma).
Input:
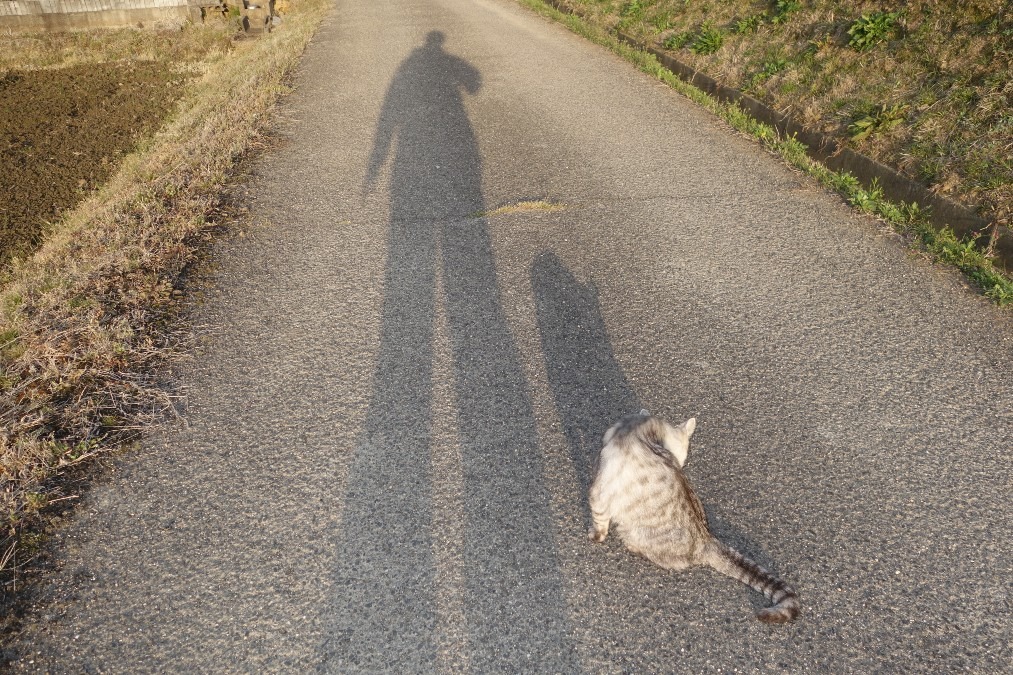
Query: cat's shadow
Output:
(588,385)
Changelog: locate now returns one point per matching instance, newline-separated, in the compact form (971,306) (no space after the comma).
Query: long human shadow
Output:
(513,602)
(588,384)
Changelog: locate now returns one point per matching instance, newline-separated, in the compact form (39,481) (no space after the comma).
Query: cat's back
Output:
(647,487)
(652,504)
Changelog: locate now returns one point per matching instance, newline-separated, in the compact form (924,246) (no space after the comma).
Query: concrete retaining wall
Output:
(57,15)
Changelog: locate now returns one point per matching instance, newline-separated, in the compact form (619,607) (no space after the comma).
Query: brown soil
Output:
(62,133)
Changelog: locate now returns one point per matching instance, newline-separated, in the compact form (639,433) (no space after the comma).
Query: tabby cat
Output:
(640,485)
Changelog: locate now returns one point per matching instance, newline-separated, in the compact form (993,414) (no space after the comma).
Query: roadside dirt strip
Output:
(482,241)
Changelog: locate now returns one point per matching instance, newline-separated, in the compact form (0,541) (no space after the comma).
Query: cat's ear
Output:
(688,426)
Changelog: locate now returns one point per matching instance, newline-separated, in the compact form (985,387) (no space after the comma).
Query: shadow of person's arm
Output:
(469,76)
(377,158)
(386,127)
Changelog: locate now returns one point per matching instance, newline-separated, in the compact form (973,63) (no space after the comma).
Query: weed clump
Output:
(678,40)
(708,40)
(871,29)
(749,24)
(882,119)
(783,9)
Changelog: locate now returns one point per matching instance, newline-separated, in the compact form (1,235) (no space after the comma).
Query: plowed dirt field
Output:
(62,133)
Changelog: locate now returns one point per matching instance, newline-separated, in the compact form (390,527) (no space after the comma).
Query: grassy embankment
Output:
(924,88)
(82,317)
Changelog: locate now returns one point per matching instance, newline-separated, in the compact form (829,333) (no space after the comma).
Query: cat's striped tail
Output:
(729,561)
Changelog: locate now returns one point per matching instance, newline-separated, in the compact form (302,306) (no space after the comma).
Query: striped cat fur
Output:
(639,484)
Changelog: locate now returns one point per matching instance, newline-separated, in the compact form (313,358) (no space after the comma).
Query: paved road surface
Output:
(389,442)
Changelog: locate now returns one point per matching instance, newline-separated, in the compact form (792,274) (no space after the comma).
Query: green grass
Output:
(769,68)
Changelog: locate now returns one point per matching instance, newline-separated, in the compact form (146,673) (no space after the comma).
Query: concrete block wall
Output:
(72,14)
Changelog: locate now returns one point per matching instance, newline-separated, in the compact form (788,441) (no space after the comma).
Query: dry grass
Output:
(176,42)
(81,321)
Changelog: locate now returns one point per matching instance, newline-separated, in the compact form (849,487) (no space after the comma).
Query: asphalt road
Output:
(388,443)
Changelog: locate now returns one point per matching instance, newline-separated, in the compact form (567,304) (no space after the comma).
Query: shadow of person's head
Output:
(424,126)
(435,39)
